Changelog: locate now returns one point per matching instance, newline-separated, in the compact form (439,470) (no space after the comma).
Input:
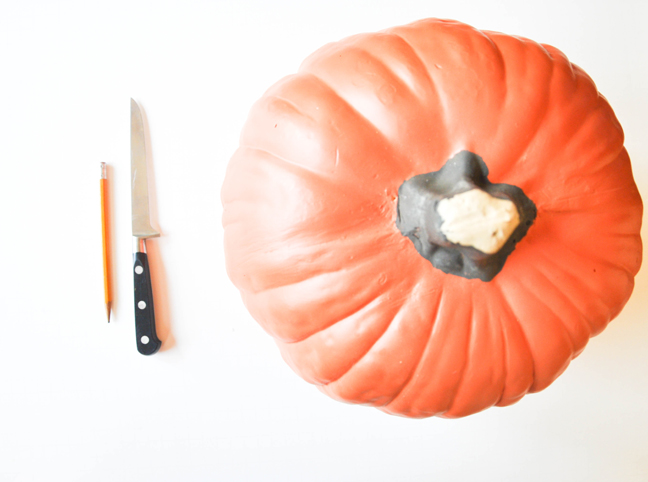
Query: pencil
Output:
(105,238)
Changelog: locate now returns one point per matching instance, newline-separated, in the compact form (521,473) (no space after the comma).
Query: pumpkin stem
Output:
(460,221)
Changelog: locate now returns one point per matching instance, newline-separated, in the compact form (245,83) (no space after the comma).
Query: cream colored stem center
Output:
(475,218)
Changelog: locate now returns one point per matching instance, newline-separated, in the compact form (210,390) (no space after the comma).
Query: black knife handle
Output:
(147,340)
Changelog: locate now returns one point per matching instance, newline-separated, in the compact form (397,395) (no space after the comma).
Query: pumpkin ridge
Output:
(330,179)
(465,345)
(600,260)
(389,69)
(359,261)
(602,156)
(504,355)
(311,275)
(599,197)
(486,389)
(416,56)
(547,373)
(409,401)
(404,301)
(358,258)
(580,83)
(607,311)
(395,156)
(369,348)
(442,104)
(282,159)
(414,373)
(348,237)
(630,282)
(459,46)
(503,103)
(292,105)
(382,69)
(380,232)
(561,294)
(577,280)
(371,293)
(316,126)
(515,319)
(428,76)
(294,351)
(416,60)
(467,356)
(428,100)
(559,108)
(349,104)
(553,207)
(308,275)
(319,328)
(505,76)
(563,330)
(276,162)
(559,56)
(503,173)
(345,316)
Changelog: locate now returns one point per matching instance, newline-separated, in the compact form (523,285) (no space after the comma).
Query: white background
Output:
(78,403)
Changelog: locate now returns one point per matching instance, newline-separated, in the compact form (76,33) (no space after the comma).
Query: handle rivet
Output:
(139,269)
(144,340)
(141,305)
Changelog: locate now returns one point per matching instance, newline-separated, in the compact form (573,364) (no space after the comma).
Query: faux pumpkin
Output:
(330,233)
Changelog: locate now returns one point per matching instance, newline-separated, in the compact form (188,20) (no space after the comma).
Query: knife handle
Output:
(147,340)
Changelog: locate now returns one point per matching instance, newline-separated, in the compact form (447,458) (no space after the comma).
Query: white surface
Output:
(78,403)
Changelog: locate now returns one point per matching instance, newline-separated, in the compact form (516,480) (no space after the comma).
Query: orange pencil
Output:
(105,238)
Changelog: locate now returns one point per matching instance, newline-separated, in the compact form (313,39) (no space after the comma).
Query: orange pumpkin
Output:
(311,218)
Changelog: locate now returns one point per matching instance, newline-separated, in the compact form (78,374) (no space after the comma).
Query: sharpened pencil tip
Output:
(108,311)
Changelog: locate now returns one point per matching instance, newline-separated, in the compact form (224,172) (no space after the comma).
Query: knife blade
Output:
(146,336)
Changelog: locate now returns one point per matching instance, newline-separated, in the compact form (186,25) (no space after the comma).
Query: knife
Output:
(147,340)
